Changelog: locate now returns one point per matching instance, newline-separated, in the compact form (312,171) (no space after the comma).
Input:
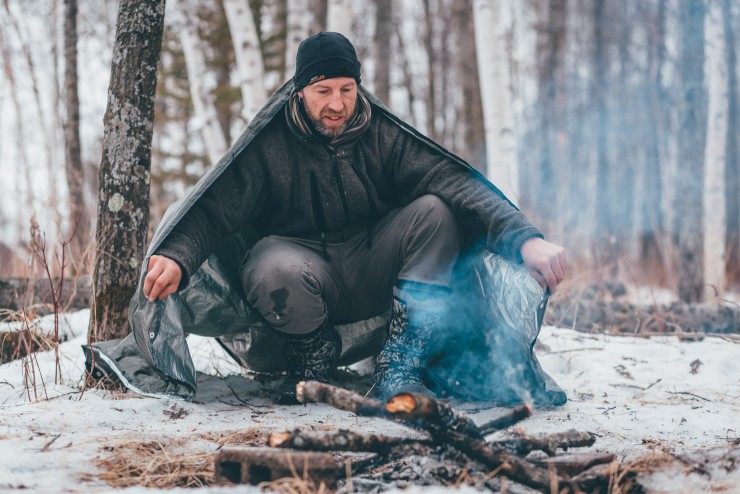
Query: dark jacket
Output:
(287,183)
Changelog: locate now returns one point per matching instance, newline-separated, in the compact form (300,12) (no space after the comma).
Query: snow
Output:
(640,396)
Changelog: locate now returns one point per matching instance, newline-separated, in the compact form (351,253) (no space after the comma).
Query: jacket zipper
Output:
(337,178)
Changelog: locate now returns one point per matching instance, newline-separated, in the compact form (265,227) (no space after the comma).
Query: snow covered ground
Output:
(640,396)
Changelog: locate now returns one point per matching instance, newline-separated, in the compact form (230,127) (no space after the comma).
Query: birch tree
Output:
(691,141)
(123,201)
(495,82)
(203,103)
(299,26)
(715,155)
(249,63)
(383,33)
(339,17)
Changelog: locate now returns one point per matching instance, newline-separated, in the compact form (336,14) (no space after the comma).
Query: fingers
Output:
(162,279)
(539,278)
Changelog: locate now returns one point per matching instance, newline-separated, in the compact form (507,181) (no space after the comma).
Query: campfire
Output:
(452,450)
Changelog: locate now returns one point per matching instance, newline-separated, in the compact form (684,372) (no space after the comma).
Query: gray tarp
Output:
(496,302)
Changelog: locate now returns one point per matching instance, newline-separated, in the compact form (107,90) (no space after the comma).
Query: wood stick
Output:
(256,465)
(517,414)
(549,443)
(340,440)
(431,415)
(343,399)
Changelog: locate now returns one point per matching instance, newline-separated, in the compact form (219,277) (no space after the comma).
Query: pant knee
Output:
(435,217)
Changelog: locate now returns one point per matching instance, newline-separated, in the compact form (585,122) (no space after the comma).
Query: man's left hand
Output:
(545,262)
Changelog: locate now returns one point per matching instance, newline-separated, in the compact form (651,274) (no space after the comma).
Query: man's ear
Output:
(300,95)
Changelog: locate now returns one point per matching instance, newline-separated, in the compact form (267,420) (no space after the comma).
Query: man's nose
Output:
(335,102)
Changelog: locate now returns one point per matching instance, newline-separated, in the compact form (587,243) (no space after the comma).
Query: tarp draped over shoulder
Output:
(483,353)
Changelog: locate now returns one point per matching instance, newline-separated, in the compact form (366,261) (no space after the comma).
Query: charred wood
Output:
(340,440)
(431,415)
(257,465)
(573,464)
(517,414)
(549,443)
(343,399)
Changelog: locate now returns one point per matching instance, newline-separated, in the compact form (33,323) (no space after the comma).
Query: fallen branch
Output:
(431,415)
(343,399)
(549,443)
(340,440)
(517,414)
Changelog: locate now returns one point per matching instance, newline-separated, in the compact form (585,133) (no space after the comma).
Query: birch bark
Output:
(495,82)
(249,62)
(203,103)
(299,26)
(339,16)
(715,154)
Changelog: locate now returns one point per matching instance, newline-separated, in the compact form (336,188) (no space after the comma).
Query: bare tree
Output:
(715,215)
(73,159)
(123,203)
(495,82)
(383,33)
(339,16)
(299,26)
(731,18)
(691,137)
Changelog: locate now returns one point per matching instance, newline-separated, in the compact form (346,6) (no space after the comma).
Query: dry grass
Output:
(154,464)
(18,344)
(253,436)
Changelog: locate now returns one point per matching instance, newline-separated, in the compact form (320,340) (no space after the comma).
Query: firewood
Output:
(340,440)
(343,399)
(549,443)
(257,465)
(573,464)
(517,414)
(432,415)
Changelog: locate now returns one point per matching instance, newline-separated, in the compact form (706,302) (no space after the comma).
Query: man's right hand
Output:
(162,278)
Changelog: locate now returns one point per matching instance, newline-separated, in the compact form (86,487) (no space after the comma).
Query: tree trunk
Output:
(431,96)
(123,203)
(551,43)
(691,136)
(73,160)
(299,27)
(249,63)
(203,104)
(471,112)
(339,17)
(732,170)
(502,166)
(320,10)
(715,155)
(383,33)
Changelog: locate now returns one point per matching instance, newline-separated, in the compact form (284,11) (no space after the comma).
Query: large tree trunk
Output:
(495,81)
(299,27)
(715,156)
(249,63)
(123,203)
(203,104)
(431,96)
(691,137)
(383,32)
(73,159)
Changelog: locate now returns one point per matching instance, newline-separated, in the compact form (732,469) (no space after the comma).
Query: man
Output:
(356,217)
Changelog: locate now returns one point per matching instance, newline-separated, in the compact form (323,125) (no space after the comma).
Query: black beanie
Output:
(325,56)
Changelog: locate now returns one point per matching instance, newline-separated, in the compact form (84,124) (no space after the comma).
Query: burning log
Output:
(341,440)
(257,465)
(431,415)
(343,399)
(517,414)
(549,443)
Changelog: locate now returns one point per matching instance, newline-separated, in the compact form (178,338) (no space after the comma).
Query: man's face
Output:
(330,104)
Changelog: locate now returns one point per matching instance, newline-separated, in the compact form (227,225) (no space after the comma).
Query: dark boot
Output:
(400,364)
(310,357)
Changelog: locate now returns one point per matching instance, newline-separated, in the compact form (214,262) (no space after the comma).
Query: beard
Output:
(317,119)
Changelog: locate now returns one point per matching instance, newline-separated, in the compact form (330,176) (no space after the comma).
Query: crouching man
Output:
(356,215)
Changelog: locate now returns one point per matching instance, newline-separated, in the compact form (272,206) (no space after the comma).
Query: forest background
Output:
(613,125)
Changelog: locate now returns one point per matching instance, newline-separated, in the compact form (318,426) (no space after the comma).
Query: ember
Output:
(452,451)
